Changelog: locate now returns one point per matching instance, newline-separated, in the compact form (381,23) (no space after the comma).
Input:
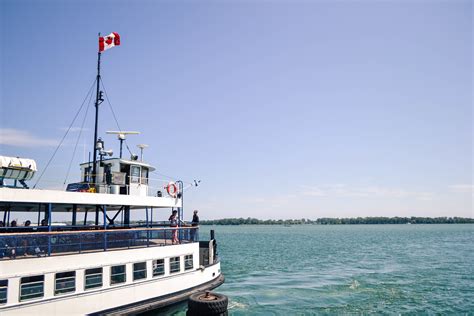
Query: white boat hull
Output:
(108,297)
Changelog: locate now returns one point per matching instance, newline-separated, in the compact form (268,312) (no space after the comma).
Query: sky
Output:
(283,109)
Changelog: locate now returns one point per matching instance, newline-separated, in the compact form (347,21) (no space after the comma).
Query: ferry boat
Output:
(102,262)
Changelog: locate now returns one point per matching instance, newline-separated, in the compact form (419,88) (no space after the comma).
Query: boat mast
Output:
(98,101)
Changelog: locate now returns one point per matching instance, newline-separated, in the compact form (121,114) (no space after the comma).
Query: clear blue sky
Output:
(283,109)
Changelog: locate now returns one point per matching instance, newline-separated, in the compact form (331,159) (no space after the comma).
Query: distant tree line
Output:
(341,221)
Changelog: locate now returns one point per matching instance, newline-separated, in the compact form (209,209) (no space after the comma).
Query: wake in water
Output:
(354,285)
(237,305)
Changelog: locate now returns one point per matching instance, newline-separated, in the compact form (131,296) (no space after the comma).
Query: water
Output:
(276,270)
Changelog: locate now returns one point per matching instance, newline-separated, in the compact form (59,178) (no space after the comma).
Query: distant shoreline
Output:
(341,221)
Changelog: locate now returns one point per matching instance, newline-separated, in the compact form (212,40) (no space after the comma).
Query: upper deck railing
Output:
(16,245)
(151,187)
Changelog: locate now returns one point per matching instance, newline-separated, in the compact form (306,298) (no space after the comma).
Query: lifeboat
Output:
(17,168)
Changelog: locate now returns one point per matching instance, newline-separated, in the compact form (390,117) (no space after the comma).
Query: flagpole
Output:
(98,99)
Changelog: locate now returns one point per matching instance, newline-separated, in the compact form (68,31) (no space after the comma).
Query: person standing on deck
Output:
(195,224)
(174,223)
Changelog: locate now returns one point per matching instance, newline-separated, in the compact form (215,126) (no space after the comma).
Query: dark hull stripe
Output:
(161,301)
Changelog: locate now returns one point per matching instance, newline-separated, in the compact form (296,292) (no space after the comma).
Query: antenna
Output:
(142,146)
(121,135)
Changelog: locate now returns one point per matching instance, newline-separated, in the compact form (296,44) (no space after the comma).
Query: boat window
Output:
(188,262)
(144,176)
(174,265)
(93,278)
(139,271)
(158,267)
(117,274)
(3,291)
(65,282)
(134,174)
(87,172)
(31,287)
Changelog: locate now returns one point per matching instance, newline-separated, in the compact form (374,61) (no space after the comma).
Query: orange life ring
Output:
(172,189)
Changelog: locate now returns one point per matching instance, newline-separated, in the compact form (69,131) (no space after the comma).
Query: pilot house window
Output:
(135,174)
(144,176)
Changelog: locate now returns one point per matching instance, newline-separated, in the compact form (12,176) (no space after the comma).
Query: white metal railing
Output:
(153,185)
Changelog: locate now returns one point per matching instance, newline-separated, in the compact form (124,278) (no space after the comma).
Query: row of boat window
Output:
(65,282)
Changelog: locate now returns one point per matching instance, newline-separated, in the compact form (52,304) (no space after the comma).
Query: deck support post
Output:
(180,209)
(105,226)
(85,216)
(151,215)
(39,214)
(46,214)
(74,214)
(147,230)
(126,215)
(49,228)
(97,216)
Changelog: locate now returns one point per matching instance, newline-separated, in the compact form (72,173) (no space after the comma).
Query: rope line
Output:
(113,113)
(79,136)
(65,134)
(172,178)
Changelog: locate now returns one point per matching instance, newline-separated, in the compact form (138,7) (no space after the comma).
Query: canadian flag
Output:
(109,41)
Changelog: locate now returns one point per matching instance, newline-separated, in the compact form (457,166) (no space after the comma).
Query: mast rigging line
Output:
(172,178)
(65,134)
(189,184)
(78,137)
(113,113)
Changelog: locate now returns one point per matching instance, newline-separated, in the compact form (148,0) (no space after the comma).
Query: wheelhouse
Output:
(120,176)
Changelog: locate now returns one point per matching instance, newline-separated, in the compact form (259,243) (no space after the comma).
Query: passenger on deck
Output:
(174,223)
(28,225)
(25,242)
(195,224)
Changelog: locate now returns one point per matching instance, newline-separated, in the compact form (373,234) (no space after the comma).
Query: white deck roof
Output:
(33,196)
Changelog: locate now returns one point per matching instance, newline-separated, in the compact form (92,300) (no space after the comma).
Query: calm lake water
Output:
(277,270)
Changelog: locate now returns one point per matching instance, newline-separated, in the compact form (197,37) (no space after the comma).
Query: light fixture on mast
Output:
(142,146)
(121,135)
